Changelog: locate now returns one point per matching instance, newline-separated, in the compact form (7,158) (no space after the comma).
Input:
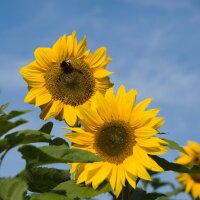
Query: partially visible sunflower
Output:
(191,181)
(63,77)
(123,134)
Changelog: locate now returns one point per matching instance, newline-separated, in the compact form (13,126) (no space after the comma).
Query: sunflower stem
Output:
(125,191)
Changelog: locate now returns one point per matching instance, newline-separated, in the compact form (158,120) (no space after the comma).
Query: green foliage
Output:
(174,146)
(23,137)
(167,166)
(55,184)
(5,124)
(36,156)
(3,107)
(58,142)
(157,183)
(44,179)
(140,194)
(12,189)
(74,190)
(46,128)
(48,196)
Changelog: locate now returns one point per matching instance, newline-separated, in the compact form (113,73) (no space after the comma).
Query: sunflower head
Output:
(123,134)
(192,157)
(66,76)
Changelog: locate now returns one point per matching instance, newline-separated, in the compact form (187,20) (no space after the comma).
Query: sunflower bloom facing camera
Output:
(191,181)
(123,134)
(64,77)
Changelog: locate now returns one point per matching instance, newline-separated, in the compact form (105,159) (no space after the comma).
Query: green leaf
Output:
(167,166)
(6,126)
(152,196)
(137,194)
(12,189)
(44,179)
(157,183)
(35,156)
(3,145)
(47,128)
(48,196)
(74,190)
(3,107)
(173,145)
(23,137)
(13,114)
(140,194)
(58,142)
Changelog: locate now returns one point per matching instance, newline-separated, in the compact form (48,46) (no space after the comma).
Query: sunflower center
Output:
(195,177)
(71,82)
(114,141)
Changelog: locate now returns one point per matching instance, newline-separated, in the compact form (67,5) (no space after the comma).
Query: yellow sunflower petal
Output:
(89,119)
(145,132)
(70,115)
(45,56)
(140,107)
(101,73)
(101,175)
(120,180)
(97,57)
(130,165)
(81,48)
(184,160)
(43,98)
(61,47)
(71,44)
(103,107)
(131,179)
(113,177)
(145,160)
(53,110)
(33,93)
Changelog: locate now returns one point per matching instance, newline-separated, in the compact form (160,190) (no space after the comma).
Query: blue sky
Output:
(154,44)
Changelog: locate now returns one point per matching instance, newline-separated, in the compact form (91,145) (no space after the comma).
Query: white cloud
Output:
(166,82)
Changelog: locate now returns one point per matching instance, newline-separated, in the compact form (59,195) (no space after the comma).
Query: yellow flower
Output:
(64,77)
(191,181)
(122,134)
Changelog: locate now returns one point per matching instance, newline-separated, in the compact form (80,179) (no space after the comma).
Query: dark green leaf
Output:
(152,196)
(3,107)
(44,179)
(12,189)
(6,126)
(54,154)
(3,145)
(138,194)
(157,183)
(48,196)
(74,190)
(167,166)
(23,137)
(173,145)
(58,142)
(47,128)
(13,114)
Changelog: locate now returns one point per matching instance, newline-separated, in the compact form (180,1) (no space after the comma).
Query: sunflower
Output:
(63,77)
(191,181)
(122,134)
